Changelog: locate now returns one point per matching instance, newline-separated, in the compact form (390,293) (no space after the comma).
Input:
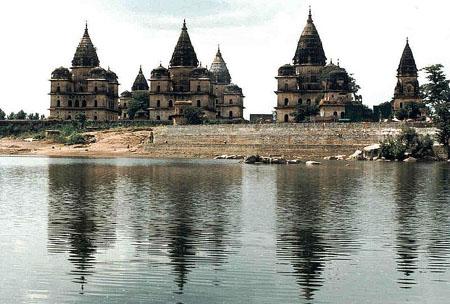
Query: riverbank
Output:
(294,141)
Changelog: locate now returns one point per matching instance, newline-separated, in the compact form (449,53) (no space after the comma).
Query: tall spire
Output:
(309,49)
(184,53)
(140,83)
(407,66)
(219,69)
(86,54)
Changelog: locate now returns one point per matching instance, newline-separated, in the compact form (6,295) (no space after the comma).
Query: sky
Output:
(255,36)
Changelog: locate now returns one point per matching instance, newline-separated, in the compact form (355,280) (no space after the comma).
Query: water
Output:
(147,231)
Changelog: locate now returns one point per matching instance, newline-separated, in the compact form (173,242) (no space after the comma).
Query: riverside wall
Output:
(289,140)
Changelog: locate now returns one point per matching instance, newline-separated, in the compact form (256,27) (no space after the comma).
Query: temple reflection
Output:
(81,218)
(315,221)
(189,216)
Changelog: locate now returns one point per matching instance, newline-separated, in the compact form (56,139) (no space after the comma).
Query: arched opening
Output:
(70,104)
(58,103)
(158,88)
(83,104)
(81,89)
(286,118)
(181,89)
(69,117)
(300,101)
(58,89)
(401,105)
(96,89)
(335,114)
(158,103)
(199,104)
(286,87)
(342,114)
(170,103)
(286,101)
(199,88)
(96,104)
(77,104)
(308,102)
(158,117)
(95,118)
(230,115)
(231,101)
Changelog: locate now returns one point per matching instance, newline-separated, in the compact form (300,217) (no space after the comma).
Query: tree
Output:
(11,116)
(137,103)
(436,94)
(408,141)
(21,115)
(305,111)
(383,110)
(80,119)
(2,115)
(353,86)
(193,115)
(32,116)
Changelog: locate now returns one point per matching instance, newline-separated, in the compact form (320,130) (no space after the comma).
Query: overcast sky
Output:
(256,37)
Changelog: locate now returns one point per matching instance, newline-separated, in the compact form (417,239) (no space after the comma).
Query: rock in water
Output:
(312,163)
(252,159)
(410,160)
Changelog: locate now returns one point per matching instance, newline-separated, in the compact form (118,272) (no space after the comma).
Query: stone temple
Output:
(186,83)
(310,81)
(84,89)
(407,89)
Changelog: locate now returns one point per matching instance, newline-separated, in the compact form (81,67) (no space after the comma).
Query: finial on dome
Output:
(140,68)
(310,14)
(184,24)
(407,40)
(331,61)
(339,62)
(86,28)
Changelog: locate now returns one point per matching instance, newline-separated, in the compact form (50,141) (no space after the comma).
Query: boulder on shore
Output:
(410,160)
(252,159)
(358,155)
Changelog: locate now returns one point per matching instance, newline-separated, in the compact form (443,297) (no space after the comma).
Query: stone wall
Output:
(290,140)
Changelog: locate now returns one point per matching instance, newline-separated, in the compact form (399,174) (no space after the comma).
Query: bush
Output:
(75,139)
(408,141)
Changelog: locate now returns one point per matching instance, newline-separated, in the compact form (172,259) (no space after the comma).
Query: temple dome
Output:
(286,70)
(111,76)
(219,69)
(160,72)
(184,53)
(126,94)
(62,73)
(140,83)
(97,73)
(233,89)
(309,49)
(200,72)
(86,54)
(336,78)
(407,66)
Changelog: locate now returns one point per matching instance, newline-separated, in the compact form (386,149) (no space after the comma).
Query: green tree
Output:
(193,115)
(383,110)
(80,120)
(2,115)
(436,94)
(303,112)
(21,115)
(138,102)
(11,116)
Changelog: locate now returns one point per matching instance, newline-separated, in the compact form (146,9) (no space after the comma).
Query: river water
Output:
(157,231)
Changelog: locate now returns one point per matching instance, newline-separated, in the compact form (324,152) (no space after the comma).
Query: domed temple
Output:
(407,89)
(186,81)
(84,89)
(311,82)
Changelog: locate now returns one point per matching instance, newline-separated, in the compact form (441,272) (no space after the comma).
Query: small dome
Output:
(97,73)
(126,94)
(233,89)
(219,69)
(61,73)
(200,73)
(111,76)
(160,72)
(286,70)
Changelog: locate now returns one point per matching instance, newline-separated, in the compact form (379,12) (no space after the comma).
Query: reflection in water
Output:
(407,220)
(81,214)
(315,221)
(134,231)
(180,215)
